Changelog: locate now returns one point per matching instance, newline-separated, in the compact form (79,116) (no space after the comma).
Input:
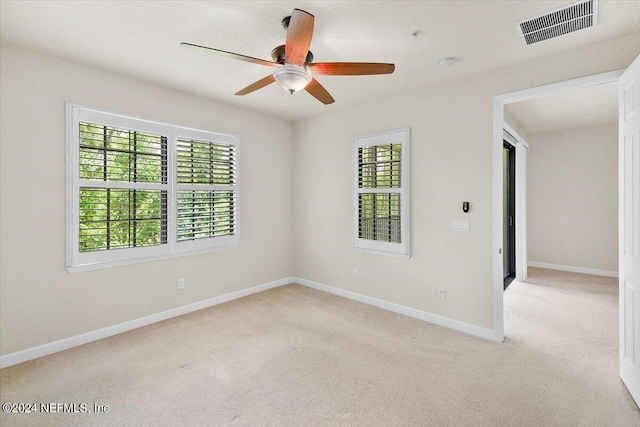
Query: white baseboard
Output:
(67,343)
(582,270)
(457,325)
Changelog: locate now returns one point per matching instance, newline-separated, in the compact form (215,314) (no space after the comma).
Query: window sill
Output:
(98,266)
(376,252)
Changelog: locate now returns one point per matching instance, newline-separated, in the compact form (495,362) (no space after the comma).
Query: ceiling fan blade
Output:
(351,68)
(299,36)
(320,93)
(257,85)
(232,55)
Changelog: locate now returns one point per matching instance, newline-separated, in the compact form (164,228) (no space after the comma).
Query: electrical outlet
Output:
(181,283)
(354,273)
(442,293)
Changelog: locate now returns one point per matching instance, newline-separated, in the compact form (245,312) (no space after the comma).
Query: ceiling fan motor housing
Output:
(277,54)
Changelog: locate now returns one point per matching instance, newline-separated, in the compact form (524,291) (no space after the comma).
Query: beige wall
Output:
(572,196)
(297,195)
(511,121)
(451,161)
(40,301)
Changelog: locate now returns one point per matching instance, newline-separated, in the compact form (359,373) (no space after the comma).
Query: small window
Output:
(381,193)
(143,190)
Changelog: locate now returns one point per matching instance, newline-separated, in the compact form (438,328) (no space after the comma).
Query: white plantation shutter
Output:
(142,190)
(206,183)
(115,212)
(119,188)
(380,170)
(205,214)
(381,192)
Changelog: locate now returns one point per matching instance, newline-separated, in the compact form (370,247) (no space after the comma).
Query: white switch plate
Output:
(462,226)
(354,273)
(181,283)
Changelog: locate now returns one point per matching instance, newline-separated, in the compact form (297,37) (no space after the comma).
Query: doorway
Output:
(499,103)
(509,212)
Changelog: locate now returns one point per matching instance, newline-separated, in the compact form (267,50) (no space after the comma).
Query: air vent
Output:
(573,17)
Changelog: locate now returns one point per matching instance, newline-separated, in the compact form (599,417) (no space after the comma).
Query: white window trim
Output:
(76,261)
(403,249)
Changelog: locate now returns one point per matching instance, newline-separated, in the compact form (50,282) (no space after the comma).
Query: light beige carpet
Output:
(296,356)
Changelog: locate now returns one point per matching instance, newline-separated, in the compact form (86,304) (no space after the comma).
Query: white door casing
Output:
(629,227)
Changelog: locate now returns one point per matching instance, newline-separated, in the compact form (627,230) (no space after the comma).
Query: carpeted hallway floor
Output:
(296,356)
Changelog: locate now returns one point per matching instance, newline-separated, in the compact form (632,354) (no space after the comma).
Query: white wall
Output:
(40,301)
(451,161)
(573,198)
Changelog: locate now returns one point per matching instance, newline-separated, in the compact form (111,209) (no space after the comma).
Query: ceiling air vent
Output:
(567,19)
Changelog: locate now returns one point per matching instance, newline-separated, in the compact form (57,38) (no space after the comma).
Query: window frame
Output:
(402,249)
(83,261)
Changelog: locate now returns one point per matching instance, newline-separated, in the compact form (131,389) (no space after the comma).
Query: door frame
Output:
(499,102)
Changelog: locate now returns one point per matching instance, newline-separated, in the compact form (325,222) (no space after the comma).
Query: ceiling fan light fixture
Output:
(292,78)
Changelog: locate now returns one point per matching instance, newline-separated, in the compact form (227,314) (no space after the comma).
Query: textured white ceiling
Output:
(582,108)
(142,39)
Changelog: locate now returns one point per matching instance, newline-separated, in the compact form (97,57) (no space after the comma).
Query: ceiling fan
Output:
(293,61)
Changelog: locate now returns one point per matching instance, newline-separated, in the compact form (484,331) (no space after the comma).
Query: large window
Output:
(139,189)
(381,220)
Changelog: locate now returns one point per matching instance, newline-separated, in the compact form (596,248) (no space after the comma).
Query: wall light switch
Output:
(460,226)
